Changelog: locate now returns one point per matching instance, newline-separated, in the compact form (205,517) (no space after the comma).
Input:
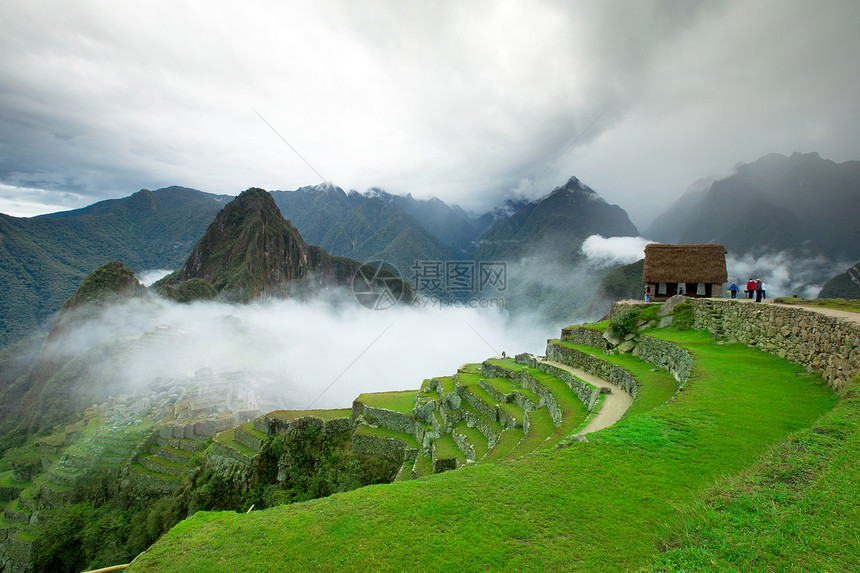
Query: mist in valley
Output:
(311,354)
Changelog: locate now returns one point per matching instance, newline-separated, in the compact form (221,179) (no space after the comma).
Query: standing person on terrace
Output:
(750,287)
(734,290)
(758,290)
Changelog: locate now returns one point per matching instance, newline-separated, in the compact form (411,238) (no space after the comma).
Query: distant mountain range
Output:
(801,204)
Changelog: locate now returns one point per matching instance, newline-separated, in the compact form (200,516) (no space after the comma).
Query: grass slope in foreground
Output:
(598,506)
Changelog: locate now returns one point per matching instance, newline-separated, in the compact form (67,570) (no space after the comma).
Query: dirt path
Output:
(614,404)
(846,314)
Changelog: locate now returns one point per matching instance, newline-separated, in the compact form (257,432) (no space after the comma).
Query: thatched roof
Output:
(685,264)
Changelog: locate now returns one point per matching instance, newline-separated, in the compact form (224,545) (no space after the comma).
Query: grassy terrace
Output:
(386,433)
(654,387)
(228,438)
(506,363)
(321,414)
(834,303)
(540,428)
(402,401)
(605,505)
(573,411)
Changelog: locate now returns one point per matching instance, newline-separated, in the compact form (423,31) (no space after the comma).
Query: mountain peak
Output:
(249,251)
(111,281)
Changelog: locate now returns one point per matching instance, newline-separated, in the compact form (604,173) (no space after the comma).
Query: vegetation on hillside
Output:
(602,505)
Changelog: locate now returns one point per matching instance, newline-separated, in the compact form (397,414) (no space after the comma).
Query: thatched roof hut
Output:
(685,264)
(667,266)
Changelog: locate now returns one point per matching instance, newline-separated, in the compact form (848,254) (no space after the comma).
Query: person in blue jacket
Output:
(734,290)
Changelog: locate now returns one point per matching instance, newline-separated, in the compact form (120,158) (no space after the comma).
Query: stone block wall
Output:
(585,336)
(390,448)
(665,355)
(821,343)
(397,421)
(593,365)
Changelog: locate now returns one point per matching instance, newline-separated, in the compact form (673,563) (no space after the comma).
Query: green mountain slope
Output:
(43,259)
(845,285)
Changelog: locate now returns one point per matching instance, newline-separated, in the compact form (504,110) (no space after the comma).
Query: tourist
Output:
(648,293)
(757,290)
(763,290)
(734,290)
(750,288)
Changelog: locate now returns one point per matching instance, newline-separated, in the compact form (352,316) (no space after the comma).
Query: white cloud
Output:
(783,273)
(461,101)
(612,251)
(309,350)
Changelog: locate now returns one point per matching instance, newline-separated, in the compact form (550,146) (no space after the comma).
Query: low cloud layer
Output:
(612,251)
(313,353)
(783,273)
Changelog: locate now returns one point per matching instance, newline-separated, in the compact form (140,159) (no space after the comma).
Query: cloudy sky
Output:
(468,101)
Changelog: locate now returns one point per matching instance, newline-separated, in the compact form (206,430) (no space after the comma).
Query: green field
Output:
(640,491)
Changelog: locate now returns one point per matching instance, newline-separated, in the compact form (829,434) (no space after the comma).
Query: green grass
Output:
(798,509)
(466,407)
(401,401)
(654,387)
(502,385)
(423,466)
(834,303)
(604,505)
(6,480)
(478,441)
(541,427)
(445,448)
(228,438)
(321,414)
(447,383)
(248,428)
(573,411)
(507,442)
(506,363)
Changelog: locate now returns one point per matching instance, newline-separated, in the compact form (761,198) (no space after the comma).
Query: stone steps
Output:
(480,400)
(510,415)
(61,477)
(171,454)
(384,442)
(501,389)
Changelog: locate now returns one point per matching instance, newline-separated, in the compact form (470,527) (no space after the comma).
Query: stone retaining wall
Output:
(665,355)
(492,371)
(397,421)
(390,448)
(821,343)
(531,383)
(585,336)
(591,364)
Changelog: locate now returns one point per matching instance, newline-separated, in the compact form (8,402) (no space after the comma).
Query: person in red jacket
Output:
(750,288)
